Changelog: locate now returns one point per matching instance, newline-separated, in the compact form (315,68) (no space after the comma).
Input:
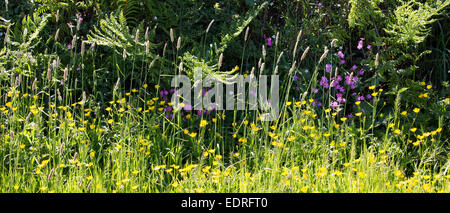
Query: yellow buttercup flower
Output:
(291,138)
(304,189)
(203,123)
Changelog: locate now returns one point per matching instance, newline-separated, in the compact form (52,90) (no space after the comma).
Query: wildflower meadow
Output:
(224,96)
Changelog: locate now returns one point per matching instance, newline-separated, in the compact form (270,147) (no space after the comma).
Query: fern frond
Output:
(113,32)
(412,19)
(239,26)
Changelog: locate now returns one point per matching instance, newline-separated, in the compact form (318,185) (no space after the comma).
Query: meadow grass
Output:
(54,141)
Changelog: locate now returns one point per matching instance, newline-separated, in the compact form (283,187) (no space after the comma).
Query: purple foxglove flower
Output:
(269,42)
(342,61)
(315,90)
(328,68)
(340,54)
(369,47)
(354,67)
(334,104)
(361,72)
(324,82)
(340,88)
(340,100)
(334,83)
(360,44)
(348,81)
